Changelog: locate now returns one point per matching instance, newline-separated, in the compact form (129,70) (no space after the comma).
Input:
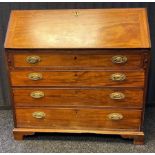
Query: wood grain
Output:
(68,118)
(139,140)
(78,28)
(74,60)
(20,135)
(107,132)
(138,136)
(76,47)
(78,79)
(78,97)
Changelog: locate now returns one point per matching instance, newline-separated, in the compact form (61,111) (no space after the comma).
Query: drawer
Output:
(69,118)
(78,78)
(78,97)
(76,61)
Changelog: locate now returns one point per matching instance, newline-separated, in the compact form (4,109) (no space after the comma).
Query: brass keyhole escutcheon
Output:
(76,14)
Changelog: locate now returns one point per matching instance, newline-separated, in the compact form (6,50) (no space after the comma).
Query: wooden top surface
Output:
(78,28)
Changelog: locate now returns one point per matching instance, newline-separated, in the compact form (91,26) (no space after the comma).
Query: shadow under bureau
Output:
(78,71)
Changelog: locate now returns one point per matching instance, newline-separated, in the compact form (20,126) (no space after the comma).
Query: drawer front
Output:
(82,61)
(78,78)
(78,118)
(78,97)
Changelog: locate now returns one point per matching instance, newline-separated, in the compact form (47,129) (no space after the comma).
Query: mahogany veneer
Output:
(81,71)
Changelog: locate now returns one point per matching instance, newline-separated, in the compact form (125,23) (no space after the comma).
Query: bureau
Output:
(78,71)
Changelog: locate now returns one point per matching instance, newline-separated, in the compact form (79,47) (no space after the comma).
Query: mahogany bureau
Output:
(78,71)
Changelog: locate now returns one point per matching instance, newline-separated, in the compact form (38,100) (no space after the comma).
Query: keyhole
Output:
(76,113)
(76,91)
(75,74)
(75,58)
(76,14)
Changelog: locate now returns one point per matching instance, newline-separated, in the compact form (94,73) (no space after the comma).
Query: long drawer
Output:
(78,78)
(78,97)
(61,60)
(61,118)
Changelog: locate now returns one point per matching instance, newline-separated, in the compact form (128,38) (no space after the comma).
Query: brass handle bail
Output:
(33,59)
(118,77)
(37,94)
(119,59)
(115,116)
(38,114)
(35,76)
(117,96)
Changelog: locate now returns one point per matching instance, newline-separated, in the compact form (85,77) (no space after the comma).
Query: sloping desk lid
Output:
(78,28)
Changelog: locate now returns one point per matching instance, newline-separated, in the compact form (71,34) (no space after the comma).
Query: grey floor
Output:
(74,142)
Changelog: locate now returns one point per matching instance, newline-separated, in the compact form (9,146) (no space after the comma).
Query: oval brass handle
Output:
(33,59)
(117,96)
(115,116)
(38,114)
(118,77)
(119,59)
(37,94)
(35,76)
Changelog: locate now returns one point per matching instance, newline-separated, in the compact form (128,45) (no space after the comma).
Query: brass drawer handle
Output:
(119,59)
(118,77)
(38,114)
(37,94)
(33,59)
(117,96)
(35,76)
(115,116)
